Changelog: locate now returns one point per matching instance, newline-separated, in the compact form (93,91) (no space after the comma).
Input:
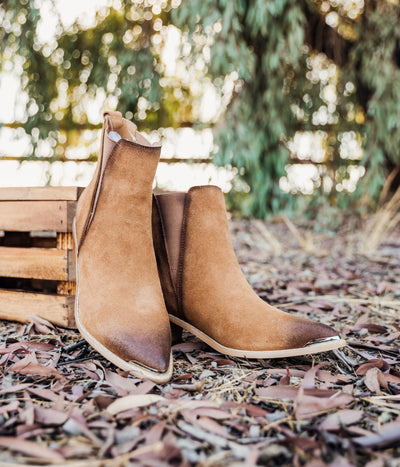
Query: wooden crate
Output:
(37,272)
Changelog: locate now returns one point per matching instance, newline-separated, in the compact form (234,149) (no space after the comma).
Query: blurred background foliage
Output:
(291,84)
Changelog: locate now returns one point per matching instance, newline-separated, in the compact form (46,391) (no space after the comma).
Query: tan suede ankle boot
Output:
(120,308)
(206,292)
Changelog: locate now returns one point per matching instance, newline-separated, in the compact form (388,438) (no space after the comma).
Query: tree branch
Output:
(323,38)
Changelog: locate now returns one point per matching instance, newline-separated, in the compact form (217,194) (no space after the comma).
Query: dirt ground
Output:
(63,404)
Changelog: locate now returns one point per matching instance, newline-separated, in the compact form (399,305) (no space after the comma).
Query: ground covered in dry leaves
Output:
(61,403)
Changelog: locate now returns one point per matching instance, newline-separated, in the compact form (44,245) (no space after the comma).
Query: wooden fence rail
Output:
(167,160)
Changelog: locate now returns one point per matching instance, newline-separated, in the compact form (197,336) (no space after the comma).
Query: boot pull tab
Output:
(114,119)
(115,122)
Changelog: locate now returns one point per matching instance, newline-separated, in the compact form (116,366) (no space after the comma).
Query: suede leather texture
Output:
(120,297)
(213,292)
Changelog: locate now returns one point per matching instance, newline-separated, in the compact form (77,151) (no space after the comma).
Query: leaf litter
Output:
(63,404)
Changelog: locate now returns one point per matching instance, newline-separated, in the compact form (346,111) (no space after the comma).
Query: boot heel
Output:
(176,333)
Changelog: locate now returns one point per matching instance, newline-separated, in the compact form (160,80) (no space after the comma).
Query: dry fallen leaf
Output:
(30,366)
(30,448)
(337,408)
(389,434)
(308,406)
(336,420)
(133,401)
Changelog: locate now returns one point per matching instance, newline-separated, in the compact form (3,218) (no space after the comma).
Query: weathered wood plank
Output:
(71,210)
(41,193)
(71,267)
(19,306)
(27,216)
(36,263)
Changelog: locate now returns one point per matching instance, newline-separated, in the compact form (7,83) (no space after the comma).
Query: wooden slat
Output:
(37,263)
(71,210)
(27,216)
(71,267)
(19,306)
(42,193)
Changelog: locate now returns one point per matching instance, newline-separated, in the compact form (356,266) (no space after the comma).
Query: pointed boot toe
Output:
(206,292)
(304,336)
(120,309)
(142,349)
(308,331)
(158,358)
(132,351)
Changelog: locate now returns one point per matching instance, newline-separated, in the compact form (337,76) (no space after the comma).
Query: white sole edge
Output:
(262,354)
(133,368)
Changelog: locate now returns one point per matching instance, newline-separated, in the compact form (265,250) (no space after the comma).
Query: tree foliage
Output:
(275,49)
(280,68)
(373,62)
(115,61)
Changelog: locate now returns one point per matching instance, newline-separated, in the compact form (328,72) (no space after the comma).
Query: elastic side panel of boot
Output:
(160,242)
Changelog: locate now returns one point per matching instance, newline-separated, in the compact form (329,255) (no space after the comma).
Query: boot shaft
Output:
(187,228)
(131,162)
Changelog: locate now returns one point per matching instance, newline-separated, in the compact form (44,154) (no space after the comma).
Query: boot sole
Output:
(133,368)
(323,345)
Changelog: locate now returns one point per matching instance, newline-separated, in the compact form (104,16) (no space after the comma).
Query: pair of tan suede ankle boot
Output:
(144,260)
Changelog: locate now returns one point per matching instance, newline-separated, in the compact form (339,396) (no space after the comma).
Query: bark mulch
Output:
(63,404)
